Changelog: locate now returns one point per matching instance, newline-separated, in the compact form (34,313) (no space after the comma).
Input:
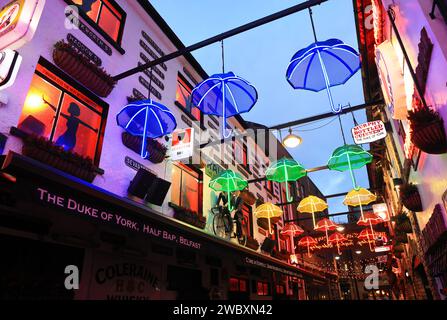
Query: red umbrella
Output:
(367,235)
(307,242)
(292,230)
(337,237)
(370,219)
(325,225)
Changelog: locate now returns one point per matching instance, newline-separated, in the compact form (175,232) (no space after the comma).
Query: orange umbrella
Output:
(325,225)
(307,242)
(337,237)
(292,230)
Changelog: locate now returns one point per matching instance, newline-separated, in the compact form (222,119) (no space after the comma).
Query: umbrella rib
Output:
(158,120)
(307,70)
(232,97)
(134,116)
(298,64)
(206,93)
(243,89)
(339,59)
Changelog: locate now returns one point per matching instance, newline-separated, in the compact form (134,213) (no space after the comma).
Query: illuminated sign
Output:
(18,22)
(369,132)
(381,209)
(382,249)
(9,67)
(182,144)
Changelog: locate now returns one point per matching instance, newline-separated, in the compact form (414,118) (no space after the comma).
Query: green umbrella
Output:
(349,157)
(228,181)
(285,170)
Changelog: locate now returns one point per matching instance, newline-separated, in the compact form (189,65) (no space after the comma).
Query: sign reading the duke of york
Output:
(18,22)
(369,132)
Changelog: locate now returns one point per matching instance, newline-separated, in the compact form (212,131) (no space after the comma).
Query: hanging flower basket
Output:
(45,151)
(248,197)
(77,65)
(188,216)
(403,223)
(411,198)
(401,237)
(427,131)
(252,243)
(157,151)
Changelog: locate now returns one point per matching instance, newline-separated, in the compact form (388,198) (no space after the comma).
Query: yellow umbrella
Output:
(358,197)
(268,210)
(312,204)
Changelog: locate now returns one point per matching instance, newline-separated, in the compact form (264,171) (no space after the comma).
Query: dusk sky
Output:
(261,56)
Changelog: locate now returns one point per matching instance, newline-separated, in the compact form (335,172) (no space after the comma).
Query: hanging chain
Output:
(341,128)
(150,83)
(223,56)
(313,25)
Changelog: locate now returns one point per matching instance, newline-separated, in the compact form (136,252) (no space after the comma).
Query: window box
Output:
(188,216)
(411,198)
(252,243)
(157,151)
(72,163)
(82,69)
(248,197)
(427,131)
(403,223)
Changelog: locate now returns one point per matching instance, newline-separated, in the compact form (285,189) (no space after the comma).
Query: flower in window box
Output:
(410,197)
(157,151)
(427,131)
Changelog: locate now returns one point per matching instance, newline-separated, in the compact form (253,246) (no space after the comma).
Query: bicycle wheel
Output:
(219,226)
(242,238)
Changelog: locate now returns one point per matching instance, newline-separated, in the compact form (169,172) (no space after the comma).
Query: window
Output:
(183,97)
(238,285)
(56,110)
(248,219)
(262,288)
(280,289)
(442,6)
(240,153)
(269,186)
(186,188)
(106,14)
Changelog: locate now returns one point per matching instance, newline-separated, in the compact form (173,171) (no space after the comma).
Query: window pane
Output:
(175,185)
(109,23)
(37,116)
(243,286)
(190,192)
(89,7)
(182,93)
(77,127)
(246,223)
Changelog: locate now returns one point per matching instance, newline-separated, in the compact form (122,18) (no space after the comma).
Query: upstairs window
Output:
(263,288)
(106,14)
(238,285)
(186,188)
(240,153)
(183,98)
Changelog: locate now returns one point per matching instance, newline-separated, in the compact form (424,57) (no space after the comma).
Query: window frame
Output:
(95,25)
(187,109)
(199,178)
(250,218)
(239,281)
(265,288)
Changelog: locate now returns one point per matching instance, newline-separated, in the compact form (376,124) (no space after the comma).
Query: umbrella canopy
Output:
(358,198)
(146,118)
(224,95)
(307,241)
(368,235)
(369,218)
(285,170)
(268,210)
(326,225)
(322,65)
(349,157)
(292,230)
(228,181)
(312,204)
(336,238)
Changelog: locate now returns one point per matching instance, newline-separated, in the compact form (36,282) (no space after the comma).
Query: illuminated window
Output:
(269,186)
(248,220)
(240,153)
(186,188)
(280,289)
(262,288)
(106,14)
(238,285)
(183,97)
(56,110)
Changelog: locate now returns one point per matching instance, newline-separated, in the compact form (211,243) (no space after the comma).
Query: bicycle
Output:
(224,225)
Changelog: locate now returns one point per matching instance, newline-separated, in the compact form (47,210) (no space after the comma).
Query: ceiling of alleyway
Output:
(261,56)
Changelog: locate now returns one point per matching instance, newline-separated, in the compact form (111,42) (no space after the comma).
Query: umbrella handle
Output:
(224,114)
(289,198)
(308,251)
(270,228)
(144,153)
(328,85)
(224,128)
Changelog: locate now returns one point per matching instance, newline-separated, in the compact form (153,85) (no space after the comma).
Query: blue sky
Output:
(261,56)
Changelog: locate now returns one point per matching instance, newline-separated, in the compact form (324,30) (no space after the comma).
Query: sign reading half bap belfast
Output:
(18,22)
(369,132)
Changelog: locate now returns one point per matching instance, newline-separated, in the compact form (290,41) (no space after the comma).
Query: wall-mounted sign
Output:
(84,49)
(18,22)
(381,209)
(182,146)
(212,170)
(369,132)
(391,80)
(10,61)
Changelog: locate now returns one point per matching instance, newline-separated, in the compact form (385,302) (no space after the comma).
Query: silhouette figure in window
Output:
(86,5)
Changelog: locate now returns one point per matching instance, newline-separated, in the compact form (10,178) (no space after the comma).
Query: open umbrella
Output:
(307,241)
(368,235)
(285,170)
(228,181)
(312,204)
(224,95)
(325,225)
(358,198)
(147,119)
(349,157)
(268,210)
(292,230)
(336,238)
(370,219)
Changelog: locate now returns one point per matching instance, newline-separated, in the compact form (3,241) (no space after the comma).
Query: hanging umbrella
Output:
(307,242)
(312,204)
(224,95)
(349,157)
(325,225)
(322,65)
(370,219)
(358,198)
(292,230)
(336,238)
(285,170)
(147,119)
(268,211)
(228,181)
(368,235)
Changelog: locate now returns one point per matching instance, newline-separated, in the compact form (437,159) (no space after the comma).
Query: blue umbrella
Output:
(322,65)
(224,95)
(146,118)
